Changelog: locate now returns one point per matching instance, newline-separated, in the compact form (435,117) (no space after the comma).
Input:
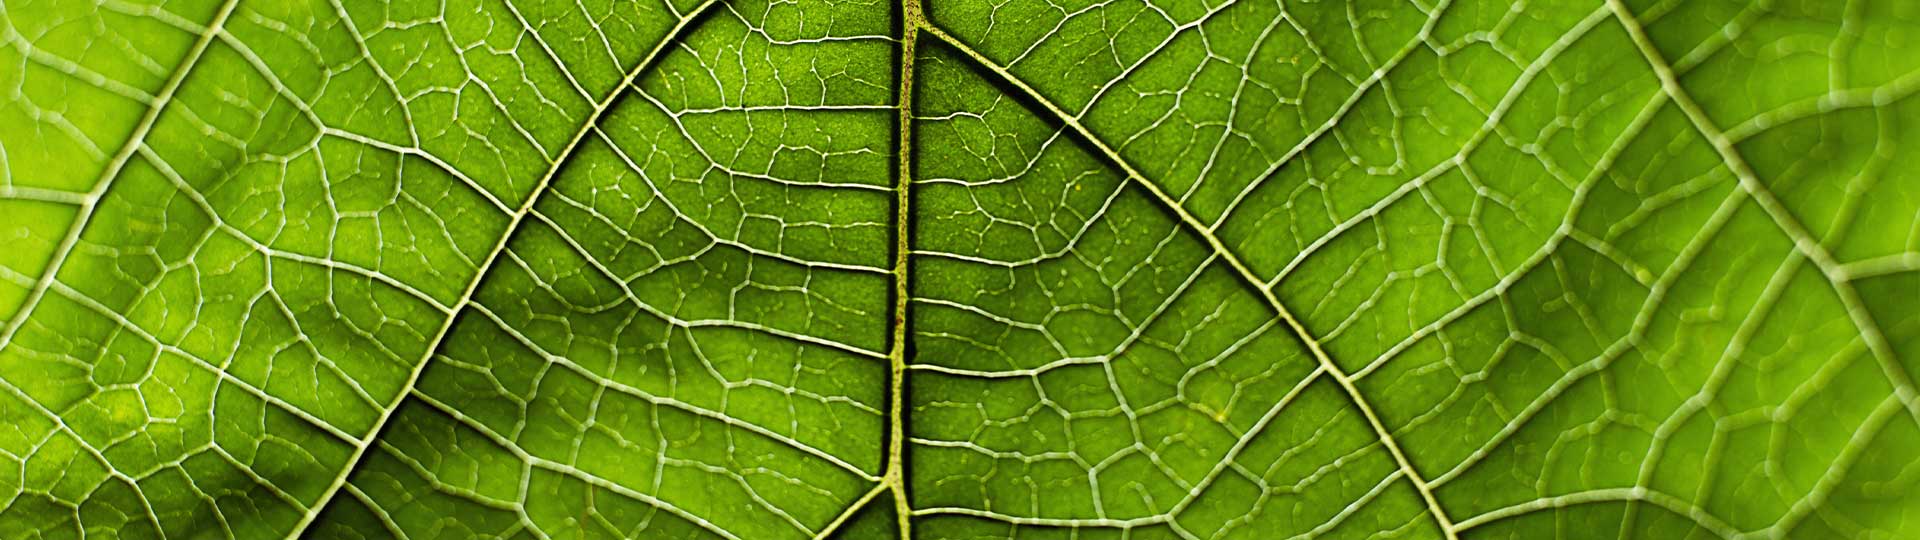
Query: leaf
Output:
(950,269)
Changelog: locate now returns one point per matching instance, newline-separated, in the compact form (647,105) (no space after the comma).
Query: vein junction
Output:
(732,269)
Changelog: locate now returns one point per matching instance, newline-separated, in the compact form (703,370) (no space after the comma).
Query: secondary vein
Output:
(513,224)
(90,202)
(1232,260)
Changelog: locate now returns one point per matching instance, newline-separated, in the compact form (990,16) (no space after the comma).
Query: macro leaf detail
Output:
(959,269)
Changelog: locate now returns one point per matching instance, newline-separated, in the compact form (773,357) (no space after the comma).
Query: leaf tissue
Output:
(959,269)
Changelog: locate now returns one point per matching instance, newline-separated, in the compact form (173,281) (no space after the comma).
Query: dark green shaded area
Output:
(1235,270)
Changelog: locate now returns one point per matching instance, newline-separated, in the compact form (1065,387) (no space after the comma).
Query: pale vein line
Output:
(1193,493)
(567,469)
(1635,494)
(666,401)
(1232,260)
(55,196)
(218,370)
(91,201)
(912,20)
(847,514)
(1803,241)
(466,298)
(1333,119)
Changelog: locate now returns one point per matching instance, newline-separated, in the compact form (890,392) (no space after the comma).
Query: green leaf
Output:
(959,269)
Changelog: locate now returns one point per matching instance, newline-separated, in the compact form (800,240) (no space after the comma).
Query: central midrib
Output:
(912,20)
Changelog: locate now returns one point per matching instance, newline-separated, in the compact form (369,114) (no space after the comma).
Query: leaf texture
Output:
(959,269)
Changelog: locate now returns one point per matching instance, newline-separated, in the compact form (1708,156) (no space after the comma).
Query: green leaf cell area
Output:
(959,269)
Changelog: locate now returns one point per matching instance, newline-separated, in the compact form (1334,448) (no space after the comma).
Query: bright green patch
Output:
(958,269)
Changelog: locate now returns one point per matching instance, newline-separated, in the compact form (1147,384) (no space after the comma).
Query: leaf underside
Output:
(959,269)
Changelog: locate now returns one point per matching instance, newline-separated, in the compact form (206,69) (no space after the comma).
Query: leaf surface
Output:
(949,269)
